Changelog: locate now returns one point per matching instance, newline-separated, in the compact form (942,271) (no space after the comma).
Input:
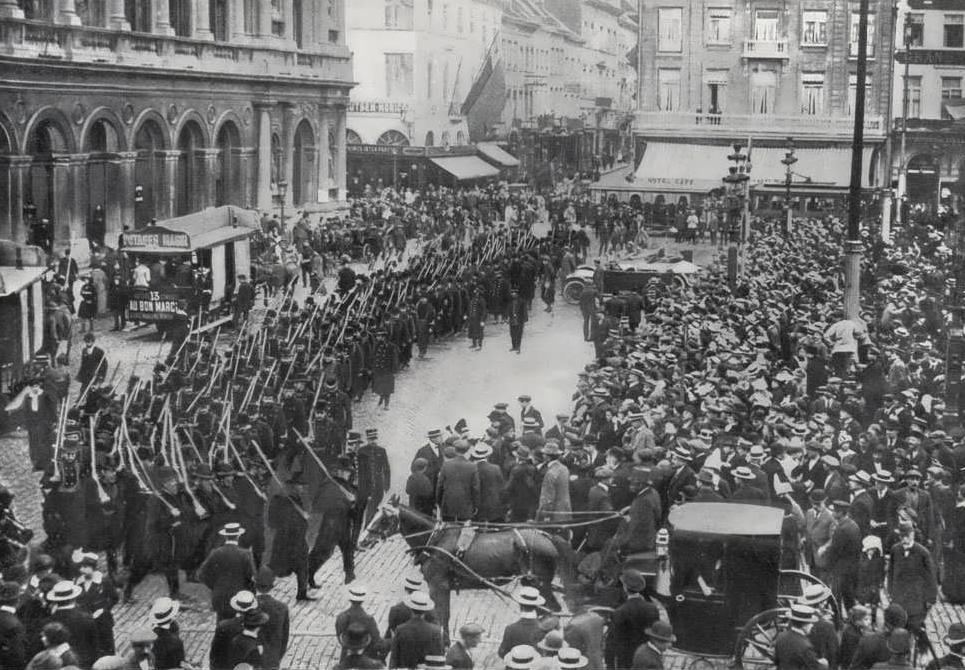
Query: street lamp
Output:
(282,192)
(738,181)
(788,160)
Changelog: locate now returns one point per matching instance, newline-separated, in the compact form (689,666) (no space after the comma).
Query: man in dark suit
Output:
(629,622)
(83,630)
(844,553)
(459,656)
(492,487)
(93,365)
(884,507)
(792,648)
(640,532)
(275,631)
(13,634)
(374,477)
(356,614)
(246,647)
(432,453)
(168,648)
(227,570)
(355,640)
(457,491)
(517,317)
(683,475)
(225,631)
(416,638)
(526,629)
(649,656)
(528,411)
(400,612)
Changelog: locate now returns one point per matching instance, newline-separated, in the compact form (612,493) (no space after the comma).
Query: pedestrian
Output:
(355,639)
(227,570)
(425,316)
(93,363)
(899,648)
(87,311)
(13,633)
(460,654)
(275,632)
(168,647)
(57,651)
(98,597)
(554,494)
(374,477)
(457,491)
(522,490)
(629,622)
(417,638)
(422,495)
(219,657)
(117,302)
(912,579)
(98,275)
(400,612)
(476,318)
(517,316)
(385,365)
(492,487)
(873,648)
(38,414)
(289,549)
(649,655)
(585,632)
(857,626)
(525,630)
(843,554)
(67,268)
(246,646)
(244,300)
(792,648)
(356,614)
(82,630)
(520,657)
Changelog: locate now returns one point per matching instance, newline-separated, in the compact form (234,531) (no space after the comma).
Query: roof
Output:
(466,167)
(200,230)
(497,154)
(720,518)
(14,280)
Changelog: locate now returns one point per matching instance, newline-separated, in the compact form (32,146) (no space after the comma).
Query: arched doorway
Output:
(445,139)
(148,173)
(190,174)
(227,188)
(303,165)
(430,139)
(923,181)
(42,197)
(460,138)
(103,200)
(393,138)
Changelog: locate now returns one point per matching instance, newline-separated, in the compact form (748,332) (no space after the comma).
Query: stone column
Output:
(211,172)
(165,197)
(340,163)
(263,169)
(13,178)
(162,18)
(288,147)
(9,9)
(324,178)
(117,17)
(66,13)
(202,21)
(120,202)
(61,204)
(245,160)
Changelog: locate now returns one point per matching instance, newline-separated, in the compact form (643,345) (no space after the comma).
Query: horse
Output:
(495,555)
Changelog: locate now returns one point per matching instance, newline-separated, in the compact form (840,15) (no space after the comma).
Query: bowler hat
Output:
(633,580)
(265,577)
(356,636)
(661,630)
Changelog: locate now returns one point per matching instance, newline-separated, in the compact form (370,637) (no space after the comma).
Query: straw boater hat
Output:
(357,593)
(63,592)
(570,658)
(164,610)
(530,597)
(419,601)
(231,530)
(433,662)
(802,613)
(243,601)
(520,657)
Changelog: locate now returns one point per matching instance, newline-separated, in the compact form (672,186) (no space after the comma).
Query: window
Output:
(459,18)
(668,86)
(398,14)
(951,88)
(398,75)
(445,16)
(915,30)
(763,91)
(812,93)
(954,36)
(766,27)
(718,26)
(428,80)
(669,29)
(855,18)
(853,91)
(815,28)
(715,82)
(914,97)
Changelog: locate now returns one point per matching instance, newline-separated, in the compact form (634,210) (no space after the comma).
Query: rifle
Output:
(318,461)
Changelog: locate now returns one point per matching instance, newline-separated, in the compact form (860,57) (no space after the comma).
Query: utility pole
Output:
(902,156)
(788,160)
(852,246)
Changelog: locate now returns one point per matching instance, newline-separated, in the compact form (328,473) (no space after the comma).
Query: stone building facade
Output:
(128,111)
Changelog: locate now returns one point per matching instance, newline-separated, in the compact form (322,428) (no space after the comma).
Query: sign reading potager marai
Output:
(157,237)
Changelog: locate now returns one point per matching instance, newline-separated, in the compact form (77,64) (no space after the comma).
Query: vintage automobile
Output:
(632,275)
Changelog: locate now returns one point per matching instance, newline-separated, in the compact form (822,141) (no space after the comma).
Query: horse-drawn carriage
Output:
(718,577)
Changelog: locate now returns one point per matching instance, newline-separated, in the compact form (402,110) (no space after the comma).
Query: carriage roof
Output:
(729,519)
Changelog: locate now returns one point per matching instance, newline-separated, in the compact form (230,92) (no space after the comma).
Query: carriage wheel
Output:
(572,291)
(755,642)
(792,585)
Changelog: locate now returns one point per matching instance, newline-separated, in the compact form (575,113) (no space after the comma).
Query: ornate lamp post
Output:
(788,160)
(738,183)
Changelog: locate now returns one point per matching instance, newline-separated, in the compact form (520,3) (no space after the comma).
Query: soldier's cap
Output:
(501,405)
(372,433)
(525,398)
(222,469)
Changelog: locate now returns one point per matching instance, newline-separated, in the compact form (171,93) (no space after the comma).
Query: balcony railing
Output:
(766,49)
(757,125)
(84,44)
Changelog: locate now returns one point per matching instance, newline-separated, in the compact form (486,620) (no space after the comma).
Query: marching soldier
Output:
(374,479)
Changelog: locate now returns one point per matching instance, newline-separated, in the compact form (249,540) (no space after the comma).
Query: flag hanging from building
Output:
(483,106)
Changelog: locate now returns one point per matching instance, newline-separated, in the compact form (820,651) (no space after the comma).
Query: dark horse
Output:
(496,555)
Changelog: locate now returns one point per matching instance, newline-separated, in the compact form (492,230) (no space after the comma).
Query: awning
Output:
(954,108)
(466,167)
(684,168)
(496,154)
(14,280)
(830,167)
(200,230)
